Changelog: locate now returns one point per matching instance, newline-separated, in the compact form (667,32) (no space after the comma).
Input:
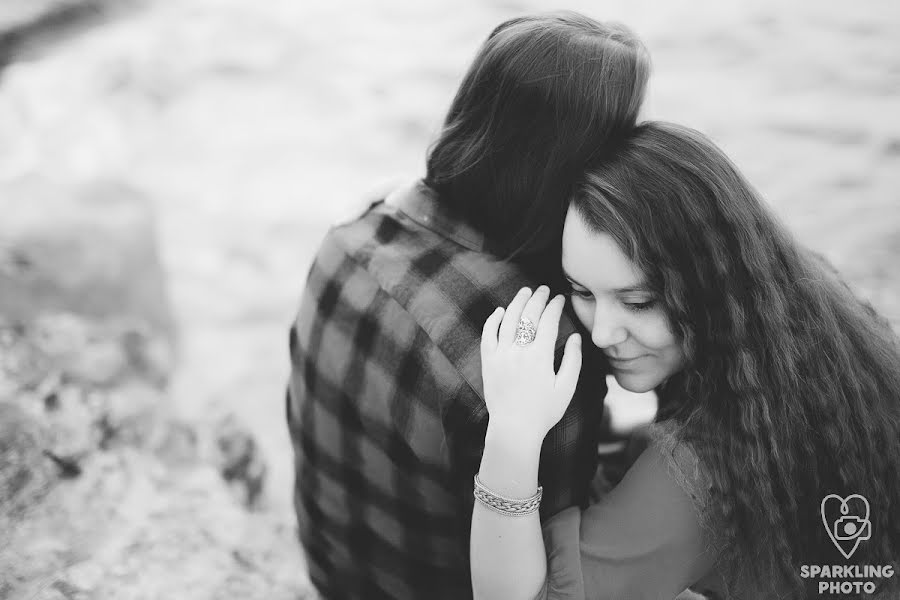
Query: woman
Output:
(782,387)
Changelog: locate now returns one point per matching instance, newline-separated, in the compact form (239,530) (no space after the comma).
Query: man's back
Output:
(385,406)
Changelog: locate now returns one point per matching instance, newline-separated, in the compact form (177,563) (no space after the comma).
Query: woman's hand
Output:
(524,396)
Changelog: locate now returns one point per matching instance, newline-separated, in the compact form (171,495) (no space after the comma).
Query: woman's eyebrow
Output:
(641,288)
(636,288)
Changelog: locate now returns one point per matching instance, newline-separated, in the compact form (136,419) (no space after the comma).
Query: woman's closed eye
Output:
(630,300)
(640,306)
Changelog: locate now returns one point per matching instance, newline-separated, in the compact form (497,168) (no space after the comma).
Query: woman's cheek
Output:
(655,331)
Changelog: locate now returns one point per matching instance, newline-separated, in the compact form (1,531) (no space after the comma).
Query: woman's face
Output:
(610,298)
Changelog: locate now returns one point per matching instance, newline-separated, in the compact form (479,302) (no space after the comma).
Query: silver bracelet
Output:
(507,506)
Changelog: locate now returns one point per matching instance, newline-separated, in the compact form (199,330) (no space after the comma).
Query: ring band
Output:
(525,332)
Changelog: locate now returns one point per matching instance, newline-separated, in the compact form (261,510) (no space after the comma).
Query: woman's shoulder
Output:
(645,538)
(685,467)
(680,458)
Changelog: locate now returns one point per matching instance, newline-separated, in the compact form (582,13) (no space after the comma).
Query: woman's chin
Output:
(635,382)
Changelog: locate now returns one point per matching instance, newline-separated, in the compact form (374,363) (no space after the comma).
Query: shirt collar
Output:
(420,203)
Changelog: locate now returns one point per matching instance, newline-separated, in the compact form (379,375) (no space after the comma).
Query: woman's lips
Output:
(624,363)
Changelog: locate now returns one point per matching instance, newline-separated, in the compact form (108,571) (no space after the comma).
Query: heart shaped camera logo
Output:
(846,527)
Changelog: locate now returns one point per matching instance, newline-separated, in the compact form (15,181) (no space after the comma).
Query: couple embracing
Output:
(450,355)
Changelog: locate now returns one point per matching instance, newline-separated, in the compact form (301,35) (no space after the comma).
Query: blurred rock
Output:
(75,380)
(105,494)
(177,444)
(131,416)
(26,25)
(240,460)
(149,533)
(71,422)
(87,250)
(16,15)
(26,475)
(22,363)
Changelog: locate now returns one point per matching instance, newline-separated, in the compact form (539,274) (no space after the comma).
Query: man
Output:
(385,402)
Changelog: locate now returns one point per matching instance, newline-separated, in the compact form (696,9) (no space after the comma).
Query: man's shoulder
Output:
(447,288)
(389,269)
(409,260)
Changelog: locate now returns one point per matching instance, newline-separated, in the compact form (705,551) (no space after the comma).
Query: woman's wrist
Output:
(516,435)
(509,465)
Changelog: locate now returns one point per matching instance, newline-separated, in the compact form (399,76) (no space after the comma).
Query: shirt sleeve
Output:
(644,540)
(464,437)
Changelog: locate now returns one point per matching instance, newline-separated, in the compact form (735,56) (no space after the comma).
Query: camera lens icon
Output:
(851,528)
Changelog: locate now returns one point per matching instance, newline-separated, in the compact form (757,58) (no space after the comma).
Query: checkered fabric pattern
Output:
(385,403)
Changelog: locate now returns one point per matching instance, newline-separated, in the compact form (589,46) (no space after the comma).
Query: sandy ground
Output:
(253,126)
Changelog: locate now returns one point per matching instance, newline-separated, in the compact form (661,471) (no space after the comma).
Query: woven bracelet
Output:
(507,506)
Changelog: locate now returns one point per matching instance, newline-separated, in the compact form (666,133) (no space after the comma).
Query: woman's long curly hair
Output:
(792,389)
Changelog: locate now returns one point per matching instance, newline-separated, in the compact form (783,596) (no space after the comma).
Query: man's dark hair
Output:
(544,95)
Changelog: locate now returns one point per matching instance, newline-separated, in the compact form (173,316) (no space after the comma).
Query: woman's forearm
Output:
(507,552)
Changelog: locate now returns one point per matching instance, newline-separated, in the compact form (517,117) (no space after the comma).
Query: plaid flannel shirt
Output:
(385,404)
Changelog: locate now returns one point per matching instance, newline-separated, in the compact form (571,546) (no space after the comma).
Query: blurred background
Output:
(167,170)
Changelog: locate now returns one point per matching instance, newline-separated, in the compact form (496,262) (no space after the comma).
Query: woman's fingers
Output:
(534,308)
(567,376)
(548,327)
(521,389)
(512,316)
(490,330)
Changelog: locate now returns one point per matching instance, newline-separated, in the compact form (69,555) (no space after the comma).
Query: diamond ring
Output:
(525,332)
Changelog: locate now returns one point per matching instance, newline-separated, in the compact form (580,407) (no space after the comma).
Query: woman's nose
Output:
(607,329)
